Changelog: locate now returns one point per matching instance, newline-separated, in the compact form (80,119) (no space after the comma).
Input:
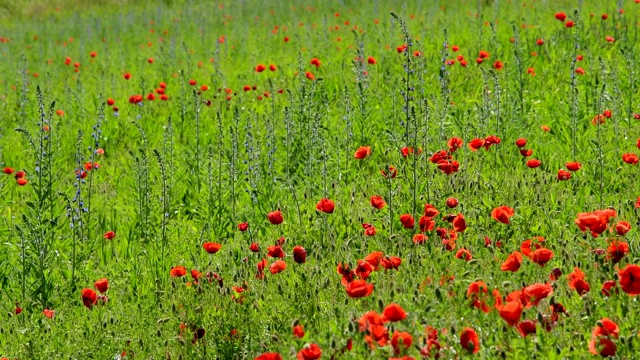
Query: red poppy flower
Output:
(512,263)
(310,75)
(573,166)
(452,202)
(298,331)
(602,338)
(260,68)
(521,142)
(563,175)
(630,158)
(8,170)
(102,285)
(254,247)
(363,269)
(369,230)
(454,144)
(374,258)
(526,153)
(299,254)
(22,181)
(533,163)
(272,67)
(275,251)
(561,16)
(178,271)
(498,65)
(377,202)
(325,205)
(277,266)
(401,341)
(609,287)
(392,170)
(475,144)
(464,254)
(362,152)
(390,262)
(541,256)
(109,235)
(459,224)
(469,340)
(243,226)
(617,250)
(419,239)
(405,151)
(622,227)
(127,76)
(533,294)
(426,223)
(48,313)
(477,292)
(275,217)
(89,297)
(511,312)
(502,214)
(407,221)
(577,282)
(268,356)
(629,278)
(394,313)
(610,39)
(211,247)
(527,327)
(358,289)
(448,167)
(315,62)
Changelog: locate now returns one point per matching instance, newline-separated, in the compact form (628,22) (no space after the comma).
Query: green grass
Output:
(178,173)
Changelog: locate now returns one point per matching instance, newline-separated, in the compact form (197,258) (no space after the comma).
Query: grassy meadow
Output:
(319,179)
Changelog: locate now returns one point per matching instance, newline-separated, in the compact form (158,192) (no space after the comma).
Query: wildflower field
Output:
(320,180)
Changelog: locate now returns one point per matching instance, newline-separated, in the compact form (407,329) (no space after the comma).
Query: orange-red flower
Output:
(477,292)
(527,327)
(310,352)
(617,250)
(469,340)
(541,256)
(362,152)
(277,266)
(573,166)
(577,282)
(630,279)
(359,288)
(299,254)
(275,251)
(602,338)
(401,341)
(178,271)
(268,356)
(511,312)
(512,263)
(407,221)
(377,202)
(298,331)
(394,313)
(502,214)
(211,247)
(536,292)
(464,254)
(102,285)
(325,206)
(630,158)
(109,235)
(89,297)
(275,217)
